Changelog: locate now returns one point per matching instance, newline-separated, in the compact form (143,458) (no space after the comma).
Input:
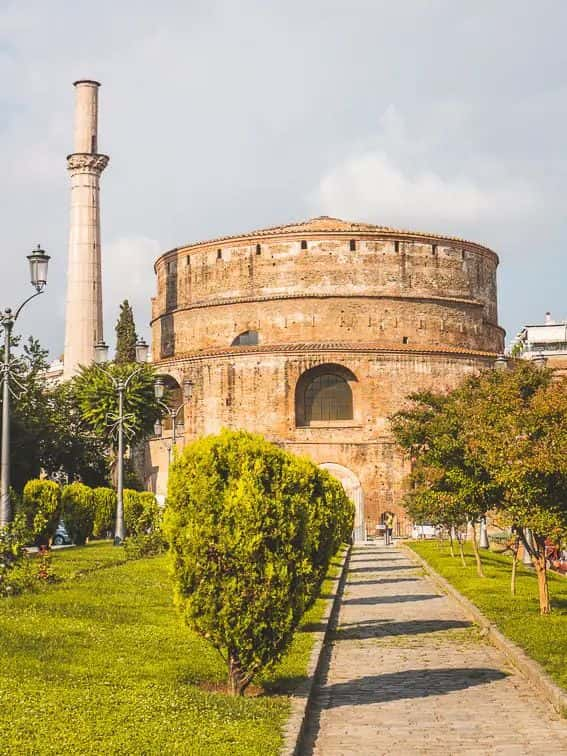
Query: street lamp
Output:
(38,262)
(120,384)
(159,392)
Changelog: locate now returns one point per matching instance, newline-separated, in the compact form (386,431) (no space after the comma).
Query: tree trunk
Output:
(238,681)
(479,571)
(515,549)
(451,546)
(541,570)
(461,552)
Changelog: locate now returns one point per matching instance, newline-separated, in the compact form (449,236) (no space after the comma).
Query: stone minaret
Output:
(83,318)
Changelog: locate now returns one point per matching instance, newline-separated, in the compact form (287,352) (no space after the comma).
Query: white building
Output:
(547,339)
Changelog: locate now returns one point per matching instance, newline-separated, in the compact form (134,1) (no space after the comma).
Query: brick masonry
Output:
(396,311)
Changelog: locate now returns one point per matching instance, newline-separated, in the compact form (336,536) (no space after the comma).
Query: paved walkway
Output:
(408,674)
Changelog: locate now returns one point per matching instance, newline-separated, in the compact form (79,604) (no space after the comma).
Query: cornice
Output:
(324,228)
(322,295)
(326,347)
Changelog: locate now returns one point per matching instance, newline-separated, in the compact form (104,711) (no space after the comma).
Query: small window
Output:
(258,249)
(397,246)
(188,261)
(248,338)
(405,340)
(352,245)
(219,254)
(434,249)
(303,244)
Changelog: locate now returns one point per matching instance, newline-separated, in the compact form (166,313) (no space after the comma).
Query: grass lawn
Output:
(101,662)
(542,638)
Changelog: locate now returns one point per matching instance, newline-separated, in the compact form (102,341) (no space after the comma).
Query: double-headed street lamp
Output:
(38,262)
(171,412)
(120,384)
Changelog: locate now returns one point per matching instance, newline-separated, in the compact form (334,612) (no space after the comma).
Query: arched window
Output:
(248,338)
(324,395)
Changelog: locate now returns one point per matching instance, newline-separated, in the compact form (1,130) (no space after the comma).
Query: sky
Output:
(221,116)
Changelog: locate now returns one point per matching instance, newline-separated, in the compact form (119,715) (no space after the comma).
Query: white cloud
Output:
(127,270)
(370,185)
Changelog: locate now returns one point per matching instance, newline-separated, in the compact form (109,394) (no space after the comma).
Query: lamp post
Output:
(120,384)
(38,262)
(159,392)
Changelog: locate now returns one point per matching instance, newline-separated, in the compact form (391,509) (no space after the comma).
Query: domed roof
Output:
(324,224)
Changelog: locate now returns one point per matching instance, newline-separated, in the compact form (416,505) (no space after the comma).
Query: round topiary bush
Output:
(78,511)
(105,511)
(41,508)
(252,530)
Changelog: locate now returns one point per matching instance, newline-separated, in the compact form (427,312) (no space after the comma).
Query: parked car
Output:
(423,531)
(61,537)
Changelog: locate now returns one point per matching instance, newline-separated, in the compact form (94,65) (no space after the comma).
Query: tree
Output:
(518,428)
(447,480)
(125,335)
(71,450)
(249,544)
(97,399)
(29,412)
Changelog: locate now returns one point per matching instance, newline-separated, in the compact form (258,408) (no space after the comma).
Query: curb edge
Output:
(531,669)
(300,701)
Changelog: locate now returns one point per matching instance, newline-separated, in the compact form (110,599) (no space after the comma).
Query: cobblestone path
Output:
(408,674)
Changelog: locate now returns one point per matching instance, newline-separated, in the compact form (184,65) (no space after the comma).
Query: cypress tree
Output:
(125,335)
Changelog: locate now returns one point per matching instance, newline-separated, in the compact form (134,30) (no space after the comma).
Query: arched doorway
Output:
(353,489)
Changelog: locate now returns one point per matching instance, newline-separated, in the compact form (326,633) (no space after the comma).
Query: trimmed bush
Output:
(252,530)
(141,512)
(105,511)
(41,508)
(78,511)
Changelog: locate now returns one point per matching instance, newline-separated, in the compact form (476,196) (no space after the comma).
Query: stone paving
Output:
(408,674)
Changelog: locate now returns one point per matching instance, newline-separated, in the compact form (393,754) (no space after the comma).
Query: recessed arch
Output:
(353,490)
(246,338)
(174,400)
(324,396)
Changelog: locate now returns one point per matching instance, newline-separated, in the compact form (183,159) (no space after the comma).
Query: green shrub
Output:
(105,511)
(151,513)
(15,569)
(144,545)
(252,530)
(133,511)
(78,511)
(141,512)
(41,507)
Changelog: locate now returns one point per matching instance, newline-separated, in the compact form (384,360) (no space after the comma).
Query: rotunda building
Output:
(313,334)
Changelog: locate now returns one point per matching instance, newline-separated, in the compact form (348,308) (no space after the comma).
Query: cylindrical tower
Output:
(314,334)
(83,318)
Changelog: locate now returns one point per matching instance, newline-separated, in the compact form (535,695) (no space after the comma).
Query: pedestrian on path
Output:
(389,522)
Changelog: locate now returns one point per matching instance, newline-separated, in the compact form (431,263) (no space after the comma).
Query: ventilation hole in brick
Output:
(303,244)
(405,339)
